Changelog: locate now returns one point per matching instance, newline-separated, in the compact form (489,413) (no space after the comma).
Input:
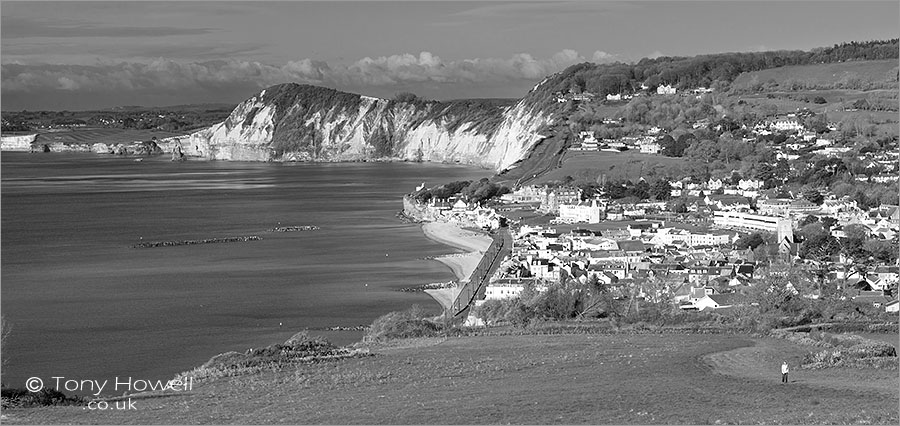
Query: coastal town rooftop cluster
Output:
(623,245)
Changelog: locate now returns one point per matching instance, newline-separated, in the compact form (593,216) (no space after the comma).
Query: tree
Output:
(705,151)
(661,190)
(819,247)
(751,241)
(809,219)
(813,196)
(884,252)
(764,172)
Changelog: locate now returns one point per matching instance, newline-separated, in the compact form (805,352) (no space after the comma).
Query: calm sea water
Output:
(83,304)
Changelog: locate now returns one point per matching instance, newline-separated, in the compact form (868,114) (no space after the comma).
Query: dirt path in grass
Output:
(762,361)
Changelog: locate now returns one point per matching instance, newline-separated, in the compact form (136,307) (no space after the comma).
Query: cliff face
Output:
(292,122)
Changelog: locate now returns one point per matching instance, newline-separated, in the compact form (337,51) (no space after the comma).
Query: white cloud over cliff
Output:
(165,74)
(383,75)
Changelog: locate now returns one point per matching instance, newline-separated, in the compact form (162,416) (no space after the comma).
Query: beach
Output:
(462,264)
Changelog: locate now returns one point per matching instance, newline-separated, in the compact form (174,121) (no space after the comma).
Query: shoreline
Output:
(472,243)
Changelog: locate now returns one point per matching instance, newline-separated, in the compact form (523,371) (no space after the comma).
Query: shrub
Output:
(300,348)
(849,351)
(492,311)
(401,325)
(14,397)
(556,303)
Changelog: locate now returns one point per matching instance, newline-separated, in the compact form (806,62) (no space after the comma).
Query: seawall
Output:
(17,143)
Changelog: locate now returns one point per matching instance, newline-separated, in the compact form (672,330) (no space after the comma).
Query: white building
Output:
(584,211)
(500,291)
(525,194)
(750,184)
(665,90)
(787,124)
(749,221)
(650,148)
(670,236)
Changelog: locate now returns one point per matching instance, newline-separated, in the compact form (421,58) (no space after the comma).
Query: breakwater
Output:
(429,286)
(151,244)
(296,228)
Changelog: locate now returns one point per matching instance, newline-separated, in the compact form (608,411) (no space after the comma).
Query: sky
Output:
(91,55)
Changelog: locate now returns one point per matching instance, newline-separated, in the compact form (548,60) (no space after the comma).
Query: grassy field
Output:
(87,135)
(558,379)
(825,74)
(624,165)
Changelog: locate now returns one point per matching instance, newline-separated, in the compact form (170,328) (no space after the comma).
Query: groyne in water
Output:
(151,244)
(295,228)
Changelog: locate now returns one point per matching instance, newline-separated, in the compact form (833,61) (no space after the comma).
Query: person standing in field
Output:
(784,372)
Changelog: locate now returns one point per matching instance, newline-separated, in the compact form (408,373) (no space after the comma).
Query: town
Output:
(704,241)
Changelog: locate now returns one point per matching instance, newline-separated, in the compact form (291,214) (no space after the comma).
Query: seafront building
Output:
(583,212)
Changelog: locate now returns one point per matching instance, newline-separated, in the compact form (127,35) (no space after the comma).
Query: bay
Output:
(84,304)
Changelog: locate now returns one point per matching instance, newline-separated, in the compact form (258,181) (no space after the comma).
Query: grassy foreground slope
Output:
(559,379)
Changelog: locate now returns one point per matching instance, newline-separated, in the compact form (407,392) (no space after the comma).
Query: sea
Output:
(84,303)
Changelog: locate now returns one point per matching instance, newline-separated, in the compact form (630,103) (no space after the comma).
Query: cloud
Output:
(164,81)
(602,57)
(167,75)
(66,83)
(655,54)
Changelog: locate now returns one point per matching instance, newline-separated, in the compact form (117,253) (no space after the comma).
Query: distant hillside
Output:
(856,75)
(699,71)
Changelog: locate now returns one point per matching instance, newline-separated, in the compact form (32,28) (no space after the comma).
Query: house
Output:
(728,202)
(503,290)
(589,212)
(787,124)
(552,198)
(665,90)
(888,273)
(650,148)
(892,307)
(584,96)
(594,243)
(616,97)
(632,247)
(716,301)
(750,184)
(838,206)
(681,293)
(460,206)
(619,270)
(525,194)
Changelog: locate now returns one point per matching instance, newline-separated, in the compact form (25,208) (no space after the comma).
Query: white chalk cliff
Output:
(292,122)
